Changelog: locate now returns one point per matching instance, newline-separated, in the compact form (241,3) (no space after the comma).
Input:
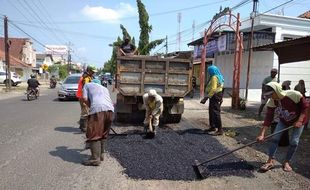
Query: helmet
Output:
(91,68)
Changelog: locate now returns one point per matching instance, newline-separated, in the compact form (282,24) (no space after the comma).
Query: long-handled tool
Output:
(117,134)
(150,133)
(203,173)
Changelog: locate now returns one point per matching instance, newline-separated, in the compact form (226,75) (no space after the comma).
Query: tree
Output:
(144,47)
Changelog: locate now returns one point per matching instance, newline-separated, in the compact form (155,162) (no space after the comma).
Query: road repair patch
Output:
(170,155)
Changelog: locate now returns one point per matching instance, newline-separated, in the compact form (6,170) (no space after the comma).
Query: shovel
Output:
(150,134)
(202,173)
(117,134)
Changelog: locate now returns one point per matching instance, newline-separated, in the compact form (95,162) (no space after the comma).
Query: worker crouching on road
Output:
(153,103)
(99,120)
(292,108)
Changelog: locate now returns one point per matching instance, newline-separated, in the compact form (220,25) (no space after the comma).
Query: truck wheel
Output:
(175,118)
(171,118)
(121,117)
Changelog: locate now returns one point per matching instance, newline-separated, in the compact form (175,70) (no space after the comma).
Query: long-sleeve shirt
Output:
(213,86)
(155,106)
(287,110)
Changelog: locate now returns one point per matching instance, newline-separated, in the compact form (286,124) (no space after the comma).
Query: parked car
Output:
(69,87)
(15,80)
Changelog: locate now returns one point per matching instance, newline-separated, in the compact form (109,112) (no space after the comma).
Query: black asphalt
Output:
(171,156)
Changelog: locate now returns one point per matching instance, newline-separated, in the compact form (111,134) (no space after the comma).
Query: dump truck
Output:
(136,75)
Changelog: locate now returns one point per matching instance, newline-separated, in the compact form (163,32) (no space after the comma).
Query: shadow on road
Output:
(74,130)
(69,155)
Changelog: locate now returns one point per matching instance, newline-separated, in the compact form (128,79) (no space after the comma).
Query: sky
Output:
(89,26)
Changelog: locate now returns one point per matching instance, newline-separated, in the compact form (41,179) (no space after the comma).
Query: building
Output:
(22,49)
(268,29)
(16,65)
(59,53)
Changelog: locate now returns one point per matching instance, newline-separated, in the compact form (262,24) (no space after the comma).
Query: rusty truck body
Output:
(171,78)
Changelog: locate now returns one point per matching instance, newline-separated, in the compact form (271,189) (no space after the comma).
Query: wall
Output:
(29,54)
(260,68)
(296,71)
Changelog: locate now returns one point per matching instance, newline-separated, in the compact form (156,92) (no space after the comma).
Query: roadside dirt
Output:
(241,127)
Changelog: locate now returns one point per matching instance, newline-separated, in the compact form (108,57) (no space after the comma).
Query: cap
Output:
(91,68)
(152,93)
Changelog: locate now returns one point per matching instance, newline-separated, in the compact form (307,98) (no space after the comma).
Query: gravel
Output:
(170,155)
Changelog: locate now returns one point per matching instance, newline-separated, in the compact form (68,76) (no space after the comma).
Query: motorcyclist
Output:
(33,83)
(53,81)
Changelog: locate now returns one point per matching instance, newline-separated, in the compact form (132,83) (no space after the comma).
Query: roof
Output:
(289,51)
(14,62)
(16,47)
(214,36)
(305,15)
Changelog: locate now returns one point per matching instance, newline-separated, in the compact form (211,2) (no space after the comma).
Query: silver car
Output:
(69,87)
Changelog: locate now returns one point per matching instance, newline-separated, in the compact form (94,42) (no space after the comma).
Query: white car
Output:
(69,87)
(15,80)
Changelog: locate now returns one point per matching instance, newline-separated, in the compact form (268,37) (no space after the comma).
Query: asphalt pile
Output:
(170,155)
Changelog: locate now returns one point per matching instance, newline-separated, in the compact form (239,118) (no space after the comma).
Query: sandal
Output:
(267,166)
(287,168)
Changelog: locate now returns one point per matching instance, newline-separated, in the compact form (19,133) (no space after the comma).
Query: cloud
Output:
(107,14)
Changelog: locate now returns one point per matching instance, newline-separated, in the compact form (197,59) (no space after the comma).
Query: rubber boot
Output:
(83,124)
(103,148)
(95,149)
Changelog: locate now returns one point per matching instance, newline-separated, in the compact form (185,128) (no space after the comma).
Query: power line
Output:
(50,19)
(69,32)
(40,43)
(22,12)
(42,23)
(150,15)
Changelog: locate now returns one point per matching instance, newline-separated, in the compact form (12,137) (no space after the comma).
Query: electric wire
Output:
(20,29)
(41,22)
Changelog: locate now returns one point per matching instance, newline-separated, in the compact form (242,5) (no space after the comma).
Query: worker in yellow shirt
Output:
(215,94)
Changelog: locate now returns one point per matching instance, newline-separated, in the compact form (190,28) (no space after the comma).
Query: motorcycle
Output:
(53,83)
(32,94)
(104,83)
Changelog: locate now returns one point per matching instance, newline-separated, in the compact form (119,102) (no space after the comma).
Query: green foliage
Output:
(144,46)
(152,45)
(63,71)
(125,33)
(145,28)
(53,68)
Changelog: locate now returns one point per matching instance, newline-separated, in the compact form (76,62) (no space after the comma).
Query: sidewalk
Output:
(18,90)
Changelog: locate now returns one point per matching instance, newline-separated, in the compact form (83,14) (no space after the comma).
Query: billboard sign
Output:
(56,49)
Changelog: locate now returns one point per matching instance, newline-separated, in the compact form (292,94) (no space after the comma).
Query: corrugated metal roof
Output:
(289,51)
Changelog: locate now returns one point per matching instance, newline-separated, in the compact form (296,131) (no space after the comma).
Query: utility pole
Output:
(253,15)
(166,45)
(7,54)
(69,57)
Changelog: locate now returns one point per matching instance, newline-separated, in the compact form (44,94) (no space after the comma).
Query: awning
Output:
(289,51)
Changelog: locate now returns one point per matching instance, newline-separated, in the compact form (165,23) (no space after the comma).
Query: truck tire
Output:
(121,117)
(171,118)
(133,118)
(176,118)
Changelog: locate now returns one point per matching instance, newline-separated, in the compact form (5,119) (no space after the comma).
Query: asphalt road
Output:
(40,143)
(41,147)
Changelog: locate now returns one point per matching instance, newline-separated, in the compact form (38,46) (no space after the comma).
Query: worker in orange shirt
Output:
(85,78)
